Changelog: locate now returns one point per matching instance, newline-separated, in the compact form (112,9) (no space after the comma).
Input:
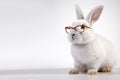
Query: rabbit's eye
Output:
(82,26)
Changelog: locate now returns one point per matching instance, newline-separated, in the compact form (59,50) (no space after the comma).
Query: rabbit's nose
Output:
(73,34)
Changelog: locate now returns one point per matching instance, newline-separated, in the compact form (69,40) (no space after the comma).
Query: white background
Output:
(32,32)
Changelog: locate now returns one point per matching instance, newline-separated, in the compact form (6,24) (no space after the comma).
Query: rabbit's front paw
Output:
(73,71)
(92,72)
(106,69)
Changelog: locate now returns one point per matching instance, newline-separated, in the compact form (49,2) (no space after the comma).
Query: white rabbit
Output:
(91,52)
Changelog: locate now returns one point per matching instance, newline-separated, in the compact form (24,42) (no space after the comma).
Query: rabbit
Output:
(91,52)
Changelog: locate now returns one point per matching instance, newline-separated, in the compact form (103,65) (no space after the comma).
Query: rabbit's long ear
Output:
(79,13)
(94,14)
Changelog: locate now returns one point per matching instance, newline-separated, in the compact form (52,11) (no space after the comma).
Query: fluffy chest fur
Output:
(86,53)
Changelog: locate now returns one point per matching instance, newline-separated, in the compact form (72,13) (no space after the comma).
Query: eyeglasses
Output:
(83,27)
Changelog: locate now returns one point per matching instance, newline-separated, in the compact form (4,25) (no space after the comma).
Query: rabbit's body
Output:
(97,54)
(91,52)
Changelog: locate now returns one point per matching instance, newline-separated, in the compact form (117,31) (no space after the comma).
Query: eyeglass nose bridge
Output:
(74,28)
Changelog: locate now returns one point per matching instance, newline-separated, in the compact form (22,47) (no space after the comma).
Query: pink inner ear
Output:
(95,15)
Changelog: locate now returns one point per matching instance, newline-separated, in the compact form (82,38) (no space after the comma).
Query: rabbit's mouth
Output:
(73,38)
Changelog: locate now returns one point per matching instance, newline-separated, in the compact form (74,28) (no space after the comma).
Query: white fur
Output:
(90,51)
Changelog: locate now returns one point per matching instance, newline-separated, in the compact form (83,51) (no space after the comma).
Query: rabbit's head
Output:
(81,30)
